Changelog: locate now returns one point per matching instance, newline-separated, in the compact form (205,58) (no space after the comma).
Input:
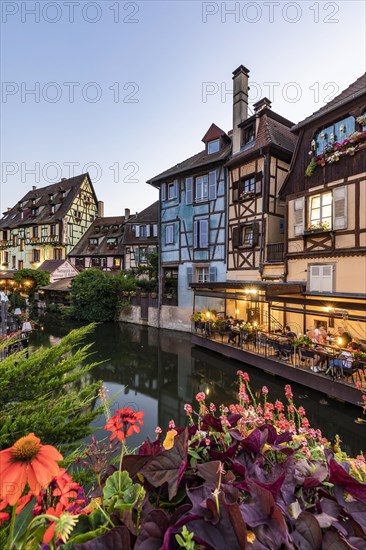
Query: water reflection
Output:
(158,371)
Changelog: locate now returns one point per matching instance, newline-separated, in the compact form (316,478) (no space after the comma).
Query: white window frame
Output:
(201,188)
(172,190)
(322,218)
(202,274)
(215,145)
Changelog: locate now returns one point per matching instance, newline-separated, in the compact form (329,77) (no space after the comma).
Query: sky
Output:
(127,89)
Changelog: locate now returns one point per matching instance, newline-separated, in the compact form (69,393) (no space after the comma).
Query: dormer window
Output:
(50,195)
(53,208)
(213,146)
(20,204)
(34,211)
(249,134)
(337,131)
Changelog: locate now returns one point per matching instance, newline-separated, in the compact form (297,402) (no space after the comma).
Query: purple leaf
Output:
(149,448)
(210,471)
(309,529)
(152,531)
(216,455)
(334,541)
(210,421)
(339,476)
(357,511)
(118,537)
(169,466)
(255,441)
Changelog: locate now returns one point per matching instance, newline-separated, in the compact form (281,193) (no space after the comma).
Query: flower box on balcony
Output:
(34,239)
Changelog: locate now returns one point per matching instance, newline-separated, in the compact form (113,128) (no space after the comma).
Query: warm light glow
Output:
(207,390)
(255,323)
(253,291)
(339,341)
(329,309)
(208,315)
(236,311)
(27,283)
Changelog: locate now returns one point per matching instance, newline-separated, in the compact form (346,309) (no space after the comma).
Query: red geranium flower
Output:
(124,423)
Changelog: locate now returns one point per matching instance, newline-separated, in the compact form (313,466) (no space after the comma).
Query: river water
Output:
(158,371)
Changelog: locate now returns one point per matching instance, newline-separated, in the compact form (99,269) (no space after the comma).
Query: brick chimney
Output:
(127,213)
(240,103)
(100,209)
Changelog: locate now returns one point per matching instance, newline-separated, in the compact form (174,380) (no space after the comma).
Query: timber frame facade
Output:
(47,223)
(256,212)
(326,214)
(193,205)
(118,243)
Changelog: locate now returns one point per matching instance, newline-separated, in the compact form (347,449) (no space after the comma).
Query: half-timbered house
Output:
(47,222)
(118,242)
(192,225)
(325,194)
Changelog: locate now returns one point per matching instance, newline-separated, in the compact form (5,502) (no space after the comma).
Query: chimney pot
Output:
(127,213)
(264,103)
(63,179)
(240,104)
(34,187)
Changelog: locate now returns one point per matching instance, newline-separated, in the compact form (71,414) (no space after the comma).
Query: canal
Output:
(158,371)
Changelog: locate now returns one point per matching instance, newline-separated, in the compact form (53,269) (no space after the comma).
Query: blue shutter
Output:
(195,234)
(189,275)
(212,184)
(203,236)
(189,190)
(348,125)
(213,274)
(163,191)
(175,183)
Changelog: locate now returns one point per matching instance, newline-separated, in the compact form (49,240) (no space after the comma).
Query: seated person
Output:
(232,335)
(289,333)
(343,362)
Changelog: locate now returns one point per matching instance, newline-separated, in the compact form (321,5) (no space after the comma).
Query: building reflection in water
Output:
(158,371)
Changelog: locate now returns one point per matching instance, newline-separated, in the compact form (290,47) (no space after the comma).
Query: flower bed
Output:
(253,475)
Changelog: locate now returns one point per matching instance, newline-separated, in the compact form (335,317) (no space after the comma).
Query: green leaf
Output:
(117,483)
(23,519)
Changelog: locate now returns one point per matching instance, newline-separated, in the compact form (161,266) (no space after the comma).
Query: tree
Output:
(95,296)
(51,393)
(31,279)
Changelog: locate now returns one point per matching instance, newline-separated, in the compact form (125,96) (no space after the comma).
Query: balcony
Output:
(275,252)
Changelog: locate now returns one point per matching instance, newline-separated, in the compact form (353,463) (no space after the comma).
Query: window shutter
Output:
(203,236)
(255,234)
(213,274)
(236,237)
(175,188)
(163,192)
(340,208)
(148,230)
(195,234)
(155,230)
(212,181)
(137,230)
(189,190)
(299,216)
(327,278)
(189,275)
(315,278)
(235,191)
(258,182)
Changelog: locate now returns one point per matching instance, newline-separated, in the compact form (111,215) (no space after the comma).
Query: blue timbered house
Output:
(193,197)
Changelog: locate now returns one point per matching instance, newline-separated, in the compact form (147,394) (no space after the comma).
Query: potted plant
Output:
(302,341)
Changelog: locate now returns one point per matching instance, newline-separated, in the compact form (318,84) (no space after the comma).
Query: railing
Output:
(275,252)
(318,360)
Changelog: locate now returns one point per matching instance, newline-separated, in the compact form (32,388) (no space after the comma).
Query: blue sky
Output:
(140,72)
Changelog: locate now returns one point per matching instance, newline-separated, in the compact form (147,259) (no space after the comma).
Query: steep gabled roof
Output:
(353,91)
(214,132)
(272,130)
(103,229)
(197,161)
(148,215)
(41,197)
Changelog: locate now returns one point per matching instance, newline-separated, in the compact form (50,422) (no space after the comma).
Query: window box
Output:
(35,239)
(308,232)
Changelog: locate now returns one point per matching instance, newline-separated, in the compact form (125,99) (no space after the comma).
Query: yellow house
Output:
(325,194)
(47,223)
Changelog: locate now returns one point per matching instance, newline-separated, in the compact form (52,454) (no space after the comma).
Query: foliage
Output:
(147,285)
(36,277)
(94,295)
(55,398)
(151,268)
(198,316)
(16,300)
(334,151)
(302,341)
(253,475)
(320,226)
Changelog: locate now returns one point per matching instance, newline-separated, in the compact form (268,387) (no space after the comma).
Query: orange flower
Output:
(27,461)
(3,515)
(124,423)
(50,531)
